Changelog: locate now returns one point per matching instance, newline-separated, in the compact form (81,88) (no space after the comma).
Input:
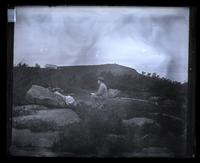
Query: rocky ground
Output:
(121,127)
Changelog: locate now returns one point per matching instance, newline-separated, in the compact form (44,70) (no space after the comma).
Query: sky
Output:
(146,39)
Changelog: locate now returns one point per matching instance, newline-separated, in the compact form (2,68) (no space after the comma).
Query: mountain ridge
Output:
(115,69)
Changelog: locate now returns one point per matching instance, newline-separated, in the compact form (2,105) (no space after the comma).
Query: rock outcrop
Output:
(45,120)
(120,126)
(43,96)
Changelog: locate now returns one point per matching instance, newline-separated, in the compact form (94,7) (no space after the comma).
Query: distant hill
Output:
(114,69)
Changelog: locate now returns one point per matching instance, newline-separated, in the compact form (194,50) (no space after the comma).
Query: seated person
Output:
(102,92)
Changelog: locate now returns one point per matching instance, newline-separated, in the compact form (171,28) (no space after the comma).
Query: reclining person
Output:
(69,100)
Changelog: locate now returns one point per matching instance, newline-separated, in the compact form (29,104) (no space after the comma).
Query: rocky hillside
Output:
(145,116)
(119,127)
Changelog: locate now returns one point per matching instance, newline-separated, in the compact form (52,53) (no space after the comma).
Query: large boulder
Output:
(43,96)
(45,120)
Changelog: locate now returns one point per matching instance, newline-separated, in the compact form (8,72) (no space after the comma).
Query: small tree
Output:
(149,74)
(37,65)
(143,73)
(21,64)
(154,75)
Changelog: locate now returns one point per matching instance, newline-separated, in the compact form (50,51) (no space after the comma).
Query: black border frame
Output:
(193,50)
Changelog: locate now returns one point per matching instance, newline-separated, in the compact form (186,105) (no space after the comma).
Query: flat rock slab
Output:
(46,120)
(26,138)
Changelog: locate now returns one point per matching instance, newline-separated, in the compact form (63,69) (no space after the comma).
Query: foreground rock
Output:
(27,109)
(45,120)
(26,138)
(42,96)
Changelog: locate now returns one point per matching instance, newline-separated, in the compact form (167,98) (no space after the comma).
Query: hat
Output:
(101,79)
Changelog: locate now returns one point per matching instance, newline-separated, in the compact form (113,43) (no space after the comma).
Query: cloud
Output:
(145,38)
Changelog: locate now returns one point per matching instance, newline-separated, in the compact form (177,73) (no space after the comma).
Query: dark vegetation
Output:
(73,79)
